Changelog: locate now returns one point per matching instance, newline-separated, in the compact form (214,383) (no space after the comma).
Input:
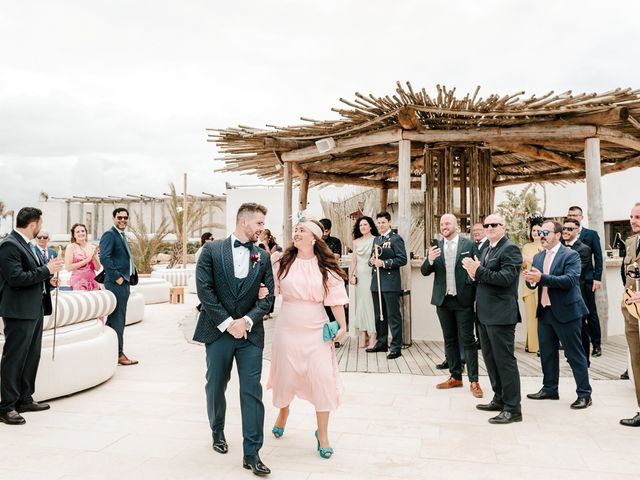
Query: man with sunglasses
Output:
(120,273)
(556,273)
(570,232)
(42,242)
(496,275)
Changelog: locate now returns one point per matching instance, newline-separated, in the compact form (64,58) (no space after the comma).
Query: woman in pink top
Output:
(308,277)
(82,260)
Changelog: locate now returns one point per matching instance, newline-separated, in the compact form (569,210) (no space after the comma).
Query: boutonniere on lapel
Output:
(255,258)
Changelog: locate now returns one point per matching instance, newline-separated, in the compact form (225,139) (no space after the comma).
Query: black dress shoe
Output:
(377,349)
(506,417)
(442,366)
(624,375)
(336,344)
(254,463)
(490,407)
(542,395)
(33,407)
(581,403)
(12,418)
(631,422)
(393,355)
(597,352)
(220,443)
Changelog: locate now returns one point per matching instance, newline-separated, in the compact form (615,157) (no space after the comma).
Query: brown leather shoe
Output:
(476,390)
(449,383)
(124,360)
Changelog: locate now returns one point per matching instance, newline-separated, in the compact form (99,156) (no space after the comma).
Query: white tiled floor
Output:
(149,422)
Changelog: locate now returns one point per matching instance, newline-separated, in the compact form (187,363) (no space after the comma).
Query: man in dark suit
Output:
(570,231)
(592,240)
(228,278)
(454,296)
(556,273)
(42,242)
(25,298)
(391,255)
(119,274)
(477,235)
(496,274)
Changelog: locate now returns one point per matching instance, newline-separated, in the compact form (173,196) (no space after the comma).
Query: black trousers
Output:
(19,364)
(456,321)
(498,350)
(392,320)
(248,357)
(117,318)
(593,321)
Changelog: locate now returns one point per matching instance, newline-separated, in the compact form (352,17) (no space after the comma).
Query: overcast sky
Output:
(110,98)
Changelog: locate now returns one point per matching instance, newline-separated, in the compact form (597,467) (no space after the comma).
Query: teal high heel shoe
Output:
(324,452)
(277,431)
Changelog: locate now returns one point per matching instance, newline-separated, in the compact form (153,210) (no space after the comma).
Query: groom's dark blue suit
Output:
(222,295)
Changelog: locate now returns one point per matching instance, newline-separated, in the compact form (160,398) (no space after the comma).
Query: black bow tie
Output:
(247,245)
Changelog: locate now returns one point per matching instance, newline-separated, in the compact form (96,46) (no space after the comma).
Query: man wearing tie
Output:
(24,300)
(477,235)
(391,255)
(453,297)
(119,274)
(496,274)
(556,272)
(42,242)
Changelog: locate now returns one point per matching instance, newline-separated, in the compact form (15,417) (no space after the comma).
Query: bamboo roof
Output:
(539,138)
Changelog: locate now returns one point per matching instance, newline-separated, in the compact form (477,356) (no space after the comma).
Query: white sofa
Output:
(191,287)
(178,277)
(154,290)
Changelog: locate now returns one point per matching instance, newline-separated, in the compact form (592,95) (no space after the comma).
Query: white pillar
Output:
(286,207)
(404,224)
(596,221)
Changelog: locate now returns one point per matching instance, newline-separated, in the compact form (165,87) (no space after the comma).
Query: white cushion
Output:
(154,290)
(178,277)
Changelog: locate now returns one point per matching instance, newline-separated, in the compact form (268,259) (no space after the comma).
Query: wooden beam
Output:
(613,115)
(344,145)
(526,134)
(284,144)
(540,154)
(408,118)
(345,180)
(619,138)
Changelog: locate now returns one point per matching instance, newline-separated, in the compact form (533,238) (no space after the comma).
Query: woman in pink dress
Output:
(308,277)
(82,260)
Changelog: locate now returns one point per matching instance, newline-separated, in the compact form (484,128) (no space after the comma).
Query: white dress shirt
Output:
(241,258)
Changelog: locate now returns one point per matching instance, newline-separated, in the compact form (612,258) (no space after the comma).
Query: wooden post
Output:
(304,190)
(286,206)
(184,224)
(404,224)
(596,221)
(384,199)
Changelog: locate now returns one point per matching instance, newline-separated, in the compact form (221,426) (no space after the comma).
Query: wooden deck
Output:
(423,356)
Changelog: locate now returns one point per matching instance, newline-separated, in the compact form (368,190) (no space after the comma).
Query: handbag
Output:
(100,277)
(330,330)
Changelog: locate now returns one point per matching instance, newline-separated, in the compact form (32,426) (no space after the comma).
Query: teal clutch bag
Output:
(330,330)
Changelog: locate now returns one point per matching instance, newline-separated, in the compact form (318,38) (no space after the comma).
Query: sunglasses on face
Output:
(545,233)
(42,238)
(569,229)
(492,225)
(122,217)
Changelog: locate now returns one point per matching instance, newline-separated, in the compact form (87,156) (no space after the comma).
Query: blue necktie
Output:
(247,245)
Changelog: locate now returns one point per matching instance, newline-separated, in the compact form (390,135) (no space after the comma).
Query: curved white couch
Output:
(135,308)
(178,277)
(154,290)
(191,287)
(86,351)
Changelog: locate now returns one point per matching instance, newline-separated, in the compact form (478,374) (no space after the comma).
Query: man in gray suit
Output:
(453,296)
(228,278)
(497,274)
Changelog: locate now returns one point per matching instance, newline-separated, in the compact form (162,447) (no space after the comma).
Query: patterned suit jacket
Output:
(220,298)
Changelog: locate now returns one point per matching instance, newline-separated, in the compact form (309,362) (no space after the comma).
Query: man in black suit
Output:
(496,274)
(556,273)
(119,274)
(592,240)
(570,231)
(454,296)
(25,298)
(477,235)
(391,255)
(228,278)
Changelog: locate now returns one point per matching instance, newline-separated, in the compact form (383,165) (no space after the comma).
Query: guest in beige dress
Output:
(529,296)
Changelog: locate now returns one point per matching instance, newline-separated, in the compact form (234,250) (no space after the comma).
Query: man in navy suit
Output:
(119,274)
(42,242)
(556,272)
(228,278)
(592,240)
(25,298)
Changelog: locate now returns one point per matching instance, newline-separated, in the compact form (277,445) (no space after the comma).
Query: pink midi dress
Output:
(302,364)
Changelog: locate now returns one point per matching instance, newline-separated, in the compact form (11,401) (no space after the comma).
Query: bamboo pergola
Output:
(461,149)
